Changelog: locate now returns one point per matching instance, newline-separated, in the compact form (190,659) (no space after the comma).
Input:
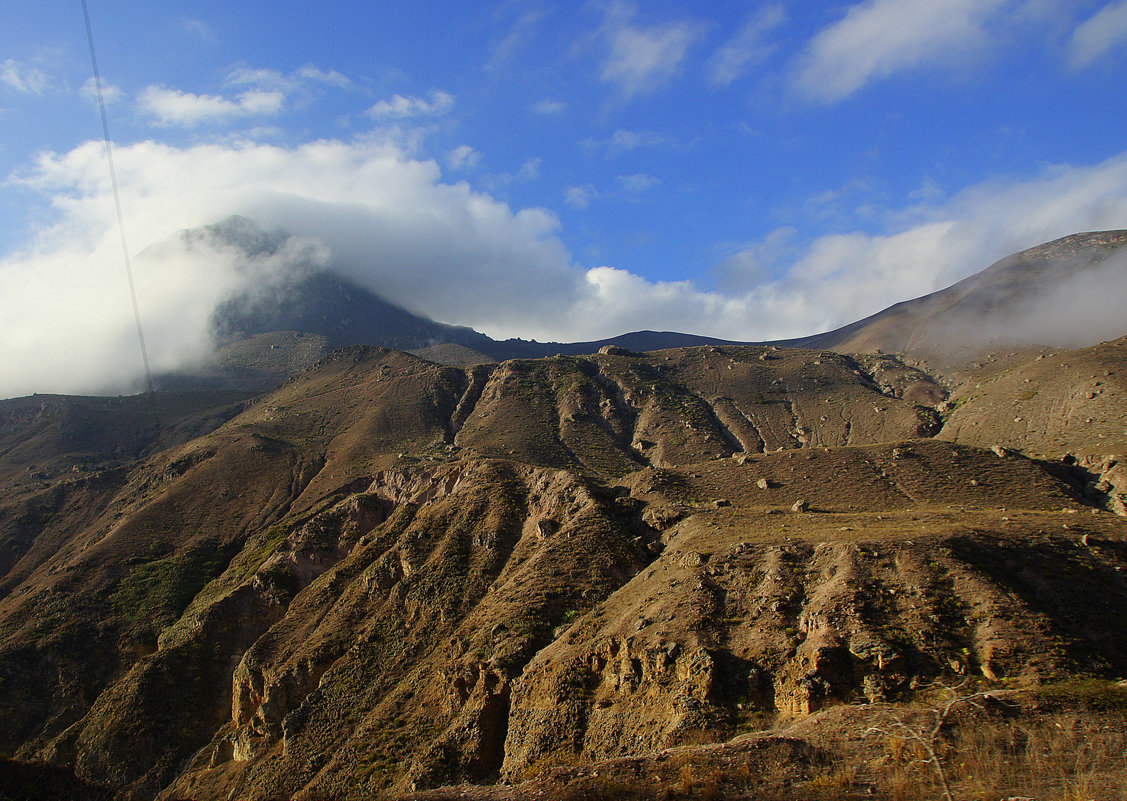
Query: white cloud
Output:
(519,35)
(579,197)
(1104,31)
(927,192)
(172,107)
(641,59)
(747,47)
(629,187)
(549,107)
(841,278)
(880,37)
(529,169)
(200,29)
(311,73)
(259,77)
(23,78)
(110,93)
(79,287)
(748,265)
(623,141)
(436,104)
(634,184)
(389,222)
(462,157)
(265,93)
(261,103)
(273,80)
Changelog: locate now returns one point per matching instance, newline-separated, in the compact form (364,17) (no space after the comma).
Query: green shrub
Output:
(1092,693)
(159,590)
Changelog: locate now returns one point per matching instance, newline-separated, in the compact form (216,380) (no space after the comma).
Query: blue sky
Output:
(548,170)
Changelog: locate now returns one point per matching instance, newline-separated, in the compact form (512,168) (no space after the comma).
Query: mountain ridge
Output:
(1020,274)
(708,571)
(321,311)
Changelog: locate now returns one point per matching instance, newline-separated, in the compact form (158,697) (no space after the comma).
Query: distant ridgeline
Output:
(268,333)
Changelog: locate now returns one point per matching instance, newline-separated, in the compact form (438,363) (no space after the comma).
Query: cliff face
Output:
(390,575)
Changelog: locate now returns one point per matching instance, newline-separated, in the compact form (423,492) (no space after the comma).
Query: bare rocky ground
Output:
(721,572)
(1063,741)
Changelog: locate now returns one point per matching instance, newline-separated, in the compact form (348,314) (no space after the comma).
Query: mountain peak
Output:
(1045,294)
(244,233)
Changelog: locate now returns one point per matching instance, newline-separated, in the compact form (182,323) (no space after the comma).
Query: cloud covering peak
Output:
(376,214)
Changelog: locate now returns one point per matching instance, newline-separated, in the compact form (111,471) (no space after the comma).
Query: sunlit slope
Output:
(1056,403)
(1036,296)
(391,573)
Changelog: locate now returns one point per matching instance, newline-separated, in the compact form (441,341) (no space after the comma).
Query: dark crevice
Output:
(616,392)
(475,378)
(730,435)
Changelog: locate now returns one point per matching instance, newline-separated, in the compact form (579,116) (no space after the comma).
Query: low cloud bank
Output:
(1085,306)
(386,219)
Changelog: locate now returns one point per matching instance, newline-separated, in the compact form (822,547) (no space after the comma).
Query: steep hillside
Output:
(45,437)
(390,575)
(1054,402)
(1016,300)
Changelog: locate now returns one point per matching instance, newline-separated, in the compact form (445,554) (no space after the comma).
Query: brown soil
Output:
(390,576)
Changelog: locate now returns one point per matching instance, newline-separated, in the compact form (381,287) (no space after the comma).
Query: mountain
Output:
(314,301)
(264,334)
(1041,295)
(722,571)
(726,571)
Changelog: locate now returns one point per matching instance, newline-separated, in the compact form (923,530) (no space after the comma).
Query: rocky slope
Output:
(390,575)
(1048,403)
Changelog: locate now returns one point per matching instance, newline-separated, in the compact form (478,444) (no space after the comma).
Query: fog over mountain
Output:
(388,221)
(1082,309)
(1064,293)
(597,401)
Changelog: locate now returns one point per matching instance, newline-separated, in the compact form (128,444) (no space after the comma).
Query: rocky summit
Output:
(727,571)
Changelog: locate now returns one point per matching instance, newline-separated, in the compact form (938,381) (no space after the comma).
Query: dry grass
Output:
(965,751)
(1068,757)
(1026,749)
(545,765)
